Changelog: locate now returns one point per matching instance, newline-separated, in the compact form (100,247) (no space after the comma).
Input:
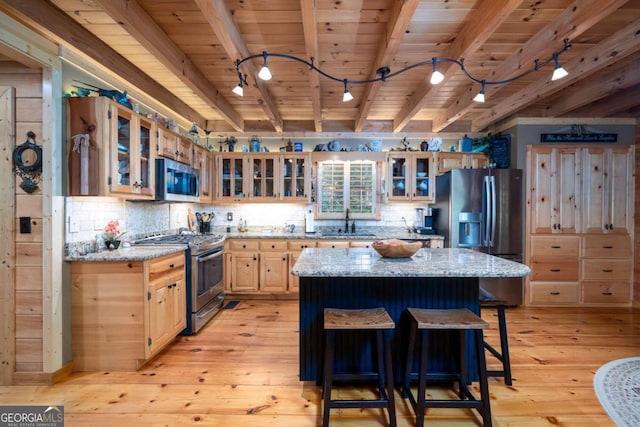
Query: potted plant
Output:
(112,235)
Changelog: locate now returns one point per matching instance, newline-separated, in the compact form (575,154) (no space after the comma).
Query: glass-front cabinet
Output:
(411,176)
(111,150)
(263,177)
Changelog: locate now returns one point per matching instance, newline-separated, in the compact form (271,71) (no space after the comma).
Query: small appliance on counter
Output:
(427,217)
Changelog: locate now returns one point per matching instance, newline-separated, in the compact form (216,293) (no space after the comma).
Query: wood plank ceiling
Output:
(183,52)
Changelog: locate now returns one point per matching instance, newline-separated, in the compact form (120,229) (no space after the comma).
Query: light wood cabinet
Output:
(203,161)
(341,244)
(411,176)
(274,261)
(452,160)
(116,159)
(607,268)
(554,189)
(124,313)
(174,146)
(607,179)
(295,247)
(243,267)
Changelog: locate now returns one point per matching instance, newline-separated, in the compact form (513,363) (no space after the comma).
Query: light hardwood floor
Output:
(242,370)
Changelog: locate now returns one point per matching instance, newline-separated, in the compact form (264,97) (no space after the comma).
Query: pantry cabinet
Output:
(110,150)
(411,176)
(123,313)
(579,224)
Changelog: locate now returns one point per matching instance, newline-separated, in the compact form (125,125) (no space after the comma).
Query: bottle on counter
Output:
(309,222)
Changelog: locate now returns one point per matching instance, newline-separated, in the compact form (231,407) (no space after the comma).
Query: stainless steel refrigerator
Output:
(483,209)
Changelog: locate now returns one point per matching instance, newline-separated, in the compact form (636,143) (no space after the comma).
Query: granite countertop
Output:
(134,253)
(363,235)
(442,262)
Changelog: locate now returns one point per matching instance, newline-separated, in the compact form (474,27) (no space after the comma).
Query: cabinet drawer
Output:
(273,245)
(361,244)
(555,246)
(166,264)
(298,245)
(606,292)
(606,246)
(333,244)
(606,269)
(553,293)
(243,245)
(554,270)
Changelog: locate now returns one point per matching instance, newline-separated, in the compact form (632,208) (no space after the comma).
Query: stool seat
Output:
(488,300)
(460,321)
(373,318)
(374,321)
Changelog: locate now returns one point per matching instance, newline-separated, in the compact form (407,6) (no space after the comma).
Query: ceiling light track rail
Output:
(384,73)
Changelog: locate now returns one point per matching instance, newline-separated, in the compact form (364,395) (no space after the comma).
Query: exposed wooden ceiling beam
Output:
(486,18)
(589,90)
(572,22)
(396,27)
(310,30)
(617,103)
(612,49)
(63,30)
(221,22)
(137,22)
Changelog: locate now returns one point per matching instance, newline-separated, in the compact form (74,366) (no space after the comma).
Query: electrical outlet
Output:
(229,216)
(74,225)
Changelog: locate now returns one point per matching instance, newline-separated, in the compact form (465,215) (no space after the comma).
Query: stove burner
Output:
(198,242)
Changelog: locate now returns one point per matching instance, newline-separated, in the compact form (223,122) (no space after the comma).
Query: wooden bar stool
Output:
(488,300)
(459,320)
(372,320)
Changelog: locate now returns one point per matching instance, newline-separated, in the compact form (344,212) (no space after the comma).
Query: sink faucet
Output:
(346,222)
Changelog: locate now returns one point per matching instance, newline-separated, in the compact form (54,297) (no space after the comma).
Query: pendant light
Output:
(480,96)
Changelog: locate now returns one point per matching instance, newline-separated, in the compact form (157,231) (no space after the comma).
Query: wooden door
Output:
(244,272)
(160,316)
(273,272)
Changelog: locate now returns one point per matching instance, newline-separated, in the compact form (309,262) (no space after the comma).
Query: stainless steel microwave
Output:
(176,182)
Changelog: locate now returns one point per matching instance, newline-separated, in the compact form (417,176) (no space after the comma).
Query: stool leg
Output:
(328,375)
(482,378)
(381,366)
(422,379)
(406,387)
(389,369)
(504,345)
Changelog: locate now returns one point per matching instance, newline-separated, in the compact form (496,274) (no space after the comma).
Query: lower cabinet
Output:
(124,313)
(592,269)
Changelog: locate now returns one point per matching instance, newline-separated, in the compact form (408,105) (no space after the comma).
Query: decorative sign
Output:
(501,152)
(579,133)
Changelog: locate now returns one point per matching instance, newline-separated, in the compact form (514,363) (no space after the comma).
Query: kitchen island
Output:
(360,278)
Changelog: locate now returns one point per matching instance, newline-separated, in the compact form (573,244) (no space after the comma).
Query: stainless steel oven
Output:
(207,294)
(204,274)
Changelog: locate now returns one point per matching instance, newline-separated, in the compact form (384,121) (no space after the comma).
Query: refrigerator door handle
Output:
(486,208)
(493,211)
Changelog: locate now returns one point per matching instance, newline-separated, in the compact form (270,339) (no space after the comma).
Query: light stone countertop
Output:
(442,262)
(134,253)
(377,234)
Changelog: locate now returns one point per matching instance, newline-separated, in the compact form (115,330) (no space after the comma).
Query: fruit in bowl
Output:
(394,248)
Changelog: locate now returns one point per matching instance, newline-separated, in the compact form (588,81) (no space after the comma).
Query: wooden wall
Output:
(28,247)
(636,221)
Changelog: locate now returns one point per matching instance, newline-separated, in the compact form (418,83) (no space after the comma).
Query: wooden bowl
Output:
(394,248)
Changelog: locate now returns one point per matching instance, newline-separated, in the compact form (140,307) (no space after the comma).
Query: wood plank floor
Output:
(242,370)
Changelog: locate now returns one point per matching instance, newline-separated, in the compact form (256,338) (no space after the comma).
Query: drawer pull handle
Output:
(607,270)
(555,247)
(171,265)
(607,293)
(607,247)
(555,270)
(554,293)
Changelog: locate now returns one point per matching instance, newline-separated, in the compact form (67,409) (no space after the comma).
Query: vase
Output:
(112,244)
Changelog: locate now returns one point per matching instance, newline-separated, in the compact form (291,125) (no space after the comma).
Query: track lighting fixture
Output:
(480,96)
(385,73)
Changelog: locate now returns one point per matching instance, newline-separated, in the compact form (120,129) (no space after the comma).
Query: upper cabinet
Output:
(173,146)
(607,182)
(554,193)
(203,161)
(411,176)
(451,160)
(109,150)
(263,177)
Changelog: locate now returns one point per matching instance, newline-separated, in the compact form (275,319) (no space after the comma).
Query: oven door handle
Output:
(215,307)
(205,257)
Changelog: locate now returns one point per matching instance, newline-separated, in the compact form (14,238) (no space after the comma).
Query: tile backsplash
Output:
(87,216)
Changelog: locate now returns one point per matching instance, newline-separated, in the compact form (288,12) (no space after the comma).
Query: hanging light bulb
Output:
(480,96)
(558,71)
(346,97)
(238,90)
(265,73)
(436,76)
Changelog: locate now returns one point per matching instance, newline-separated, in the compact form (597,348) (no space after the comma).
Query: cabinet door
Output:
(203,162)
(244,272)
(262,175)
(167,145)
(608,200)
(295,171)
(423,177)
(231,172)
(178,306)
(185,151)
(160,315)
(273,272)
(448,161)
(400,177)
